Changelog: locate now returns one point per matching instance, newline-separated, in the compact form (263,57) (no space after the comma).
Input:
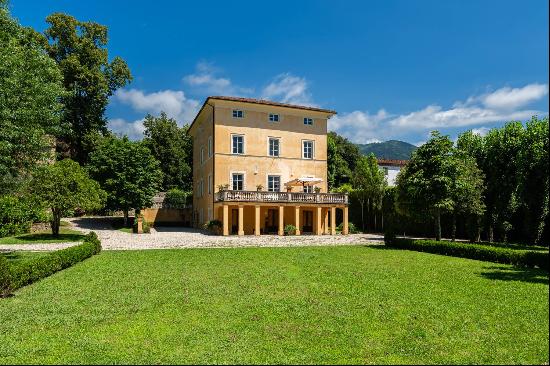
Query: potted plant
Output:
(317,189)
(214,226)
(223,187)
(290,229)
(259,187)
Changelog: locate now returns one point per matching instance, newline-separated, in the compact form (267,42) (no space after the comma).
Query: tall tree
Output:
(425,185)
(65,186)
(368,183)
(173,148)
(30,88)
(79,48)
(342,156)
(127,171)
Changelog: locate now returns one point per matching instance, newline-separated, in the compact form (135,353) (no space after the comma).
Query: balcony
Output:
(283,197)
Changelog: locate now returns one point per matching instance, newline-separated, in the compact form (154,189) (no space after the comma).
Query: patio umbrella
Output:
(303,181)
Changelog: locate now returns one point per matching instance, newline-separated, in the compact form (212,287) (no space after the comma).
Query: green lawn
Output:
(65,235)
(17,256)
(279,305)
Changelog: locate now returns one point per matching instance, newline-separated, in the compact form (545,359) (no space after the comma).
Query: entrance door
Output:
(234,220)
(272,221)
(308,221)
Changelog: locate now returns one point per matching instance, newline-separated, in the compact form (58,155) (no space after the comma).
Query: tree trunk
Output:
(491,233)
(453,231)
(437,225)
(125,217)
(56,219)
(382,220)
(477,229)
(374,221)
(362,216)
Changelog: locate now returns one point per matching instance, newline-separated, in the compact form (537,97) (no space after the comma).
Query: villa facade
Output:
(259,166)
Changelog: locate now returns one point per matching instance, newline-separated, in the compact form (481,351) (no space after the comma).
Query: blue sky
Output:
(392,69)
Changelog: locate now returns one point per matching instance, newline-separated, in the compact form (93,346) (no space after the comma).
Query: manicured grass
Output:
(65,235)
(279,305)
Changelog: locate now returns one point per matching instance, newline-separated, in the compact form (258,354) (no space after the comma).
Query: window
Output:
(273,146)
(308,121)
(237,180)
(237,113)
(308,189)
(273,183)
(209,184)
(209,146)
(273,117)
(307,149)
(202,155)
(237,144)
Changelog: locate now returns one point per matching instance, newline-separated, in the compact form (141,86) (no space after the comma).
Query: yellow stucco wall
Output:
(255,163)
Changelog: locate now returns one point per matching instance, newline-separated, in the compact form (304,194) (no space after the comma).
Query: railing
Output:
(292,197)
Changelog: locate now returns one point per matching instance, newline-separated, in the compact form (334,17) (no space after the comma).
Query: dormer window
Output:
(308,121)
(273,117)
(237,113)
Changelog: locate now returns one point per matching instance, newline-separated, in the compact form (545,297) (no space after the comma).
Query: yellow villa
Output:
(259,166)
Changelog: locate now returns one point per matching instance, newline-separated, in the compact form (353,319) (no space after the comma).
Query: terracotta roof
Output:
(260,101)
(392,162)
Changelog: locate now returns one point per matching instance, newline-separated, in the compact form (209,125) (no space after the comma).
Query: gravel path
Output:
(179,237)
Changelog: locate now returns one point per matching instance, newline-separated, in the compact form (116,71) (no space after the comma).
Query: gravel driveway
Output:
(180,237)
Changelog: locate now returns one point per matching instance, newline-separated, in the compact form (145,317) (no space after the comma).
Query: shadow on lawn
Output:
(41,237)
(509,273)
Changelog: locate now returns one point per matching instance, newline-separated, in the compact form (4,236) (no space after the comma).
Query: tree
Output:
(534,187)
(79,49)
(65,186)
(467,192)
(127,171)
(30,87)
(425,185)
(368,183)
(342,156)
(173,148)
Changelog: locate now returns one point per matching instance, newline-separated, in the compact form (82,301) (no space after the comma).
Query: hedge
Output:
(16,276)
(527,258)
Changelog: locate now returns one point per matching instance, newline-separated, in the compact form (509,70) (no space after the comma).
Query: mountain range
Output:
(392,149)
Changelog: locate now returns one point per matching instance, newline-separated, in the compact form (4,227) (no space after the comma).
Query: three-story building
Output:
(259,166)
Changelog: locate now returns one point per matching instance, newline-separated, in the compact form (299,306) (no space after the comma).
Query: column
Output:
(345,230)
(332,220)
(257,220)
(225,220)
(318,229)
(297,220)
(325,218)
(281,230)
(241,219)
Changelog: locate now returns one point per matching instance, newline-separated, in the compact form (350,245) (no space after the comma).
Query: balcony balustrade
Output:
(285,197)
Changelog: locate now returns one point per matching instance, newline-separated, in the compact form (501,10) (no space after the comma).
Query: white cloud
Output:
(173,102)
(205,79)
(508,98)
(288,88)
(134,130)
(482,131)
(360,126)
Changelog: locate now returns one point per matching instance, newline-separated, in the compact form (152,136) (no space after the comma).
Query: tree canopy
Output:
(65,186)
(127,171)
(79,49)
(173,148)
(342,156)
(30,88)
(368,183)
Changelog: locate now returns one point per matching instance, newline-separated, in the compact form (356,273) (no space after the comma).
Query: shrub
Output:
(145,225)
(213,225)
(18,213)
(176,198)
(290,229)
(352,229)
(13,277)
(481,252)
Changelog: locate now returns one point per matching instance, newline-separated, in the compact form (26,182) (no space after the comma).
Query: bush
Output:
(290,229)
(352,229)
(481,252)
(176,198)
(213,225)
(17,214)
(13,277)
(145,225)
